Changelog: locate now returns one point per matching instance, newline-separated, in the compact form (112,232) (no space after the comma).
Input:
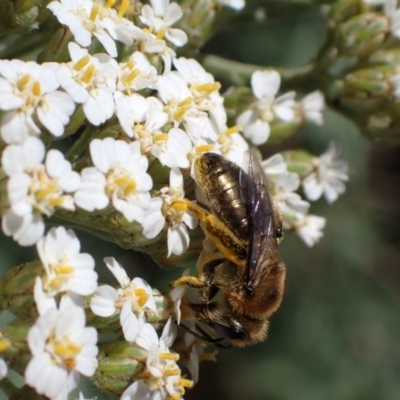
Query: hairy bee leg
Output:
(191,281)
(223,323)
(225,241)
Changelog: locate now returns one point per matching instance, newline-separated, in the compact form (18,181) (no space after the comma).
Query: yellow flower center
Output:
(64,352)
(121,181)
(46,191)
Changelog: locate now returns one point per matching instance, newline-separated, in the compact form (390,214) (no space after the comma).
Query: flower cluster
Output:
(62,346)
(324,175)
(130,118)
(161,377)
(256,121)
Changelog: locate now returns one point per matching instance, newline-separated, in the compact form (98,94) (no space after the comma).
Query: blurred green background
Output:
(336,335)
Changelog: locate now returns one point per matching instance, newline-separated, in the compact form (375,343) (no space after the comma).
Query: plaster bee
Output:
(242,283)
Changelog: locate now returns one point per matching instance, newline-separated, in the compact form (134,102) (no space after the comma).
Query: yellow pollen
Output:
(172,372)
(126,183)
(204,148)
(142,296)
(36,89)
(54,283)
(210,356)
(23,81)
(185,382)
(208,87)
(94,12)
(233,129)
(88,75)
(123,8)
(179,206)
(160,34)
(186,102)
(67,353)
(81,63)
(161,138)
(4,344)
(57,201)
(169,356)
(70,363)
(131,77)
(180,111)
(109,3)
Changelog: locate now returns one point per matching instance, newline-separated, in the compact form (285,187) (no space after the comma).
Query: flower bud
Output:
(300,161)
(198,21)
(16,289)
(367,88)
(388,56)
(362,34)
(24,15)
(281,130)
(342,10)
(120,363)
(14,346)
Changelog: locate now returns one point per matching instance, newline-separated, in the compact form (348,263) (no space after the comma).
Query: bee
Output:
(242,284)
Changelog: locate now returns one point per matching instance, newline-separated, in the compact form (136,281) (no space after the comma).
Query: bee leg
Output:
(230,246)
(223,323)
(191,281)
(201,334)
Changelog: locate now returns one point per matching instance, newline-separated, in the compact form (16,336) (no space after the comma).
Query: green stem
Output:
(240,73)
(80,145)
(58,219)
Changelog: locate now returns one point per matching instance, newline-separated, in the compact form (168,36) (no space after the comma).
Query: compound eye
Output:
(230,332)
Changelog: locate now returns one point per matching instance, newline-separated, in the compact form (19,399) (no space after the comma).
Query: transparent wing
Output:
(260,214)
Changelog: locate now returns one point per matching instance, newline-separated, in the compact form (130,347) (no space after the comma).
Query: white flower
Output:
(256,121)
(274,165)
(90,80)
(328,178)
(172,149)
(235,4)
(175,94)
(136,74)
(29,91)
(149,43)
(177,219)
(160,16)
(202,85)
(231,145)
(86,18)
(154,220)
(132,299)
(3,369)
(127,182)
(91,195)
(310,229)
(67,270)
(312,106)
(164,380)
(141,118)
(34,188)
(292,207)
(62,348)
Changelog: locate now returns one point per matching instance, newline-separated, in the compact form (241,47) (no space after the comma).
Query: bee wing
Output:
(260,214)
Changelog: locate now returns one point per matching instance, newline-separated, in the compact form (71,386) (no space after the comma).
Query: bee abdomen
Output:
(220,182)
